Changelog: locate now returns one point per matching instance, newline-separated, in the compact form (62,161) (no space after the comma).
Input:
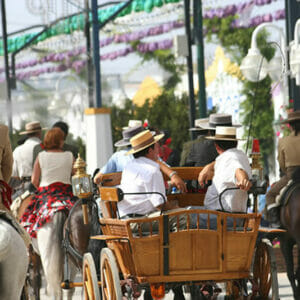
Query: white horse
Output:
(48,245)
(13,262)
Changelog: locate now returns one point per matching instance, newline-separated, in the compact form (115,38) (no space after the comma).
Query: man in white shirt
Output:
(143,174)
(231,169)
(23,155)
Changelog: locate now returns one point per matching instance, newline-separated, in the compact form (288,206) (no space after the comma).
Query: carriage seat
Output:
(109,209)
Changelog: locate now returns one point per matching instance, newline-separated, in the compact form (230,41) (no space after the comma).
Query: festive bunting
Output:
(78,65)
(142,47)
(78,22)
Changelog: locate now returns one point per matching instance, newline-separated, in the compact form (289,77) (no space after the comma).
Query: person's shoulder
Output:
(143,165)
(37,148)
(3,134)
(3,129)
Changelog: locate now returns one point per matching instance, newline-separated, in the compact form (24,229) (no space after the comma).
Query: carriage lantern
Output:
(256,156)
(257,171)
(82,185)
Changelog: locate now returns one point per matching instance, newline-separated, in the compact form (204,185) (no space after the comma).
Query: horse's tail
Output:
(95,246)
(296,175)
(5,239)
(58,222)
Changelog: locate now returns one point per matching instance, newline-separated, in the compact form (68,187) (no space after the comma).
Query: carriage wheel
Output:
(90,280)
(110,280)
(265,272)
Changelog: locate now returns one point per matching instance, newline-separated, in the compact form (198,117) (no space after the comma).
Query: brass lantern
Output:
(82,185)
(257,170)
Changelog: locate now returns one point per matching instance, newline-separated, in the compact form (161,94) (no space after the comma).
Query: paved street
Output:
(285,291)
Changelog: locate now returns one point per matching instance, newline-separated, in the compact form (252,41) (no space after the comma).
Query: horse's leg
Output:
(34,280)
(13,262)
(297,273)
(49,239)
(286,246)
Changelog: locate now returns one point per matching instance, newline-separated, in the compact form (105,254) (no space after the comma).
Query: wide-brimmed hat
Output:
(224,133)
(127,135)
(133,123)
(218,120)
(32,127)
(292,116)
(143,140)
(198,124)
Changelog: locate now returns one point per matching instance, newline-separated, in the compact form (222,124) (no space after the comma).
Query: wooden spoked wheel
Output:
(110,280)
(90,280)
(265,272)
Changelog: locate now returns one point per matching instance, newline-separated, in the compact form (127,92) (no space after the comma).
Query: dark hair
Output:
(225,145)
(296,126)
(33,134)
(22,140)
(63,126)
(53,138)
(143,152)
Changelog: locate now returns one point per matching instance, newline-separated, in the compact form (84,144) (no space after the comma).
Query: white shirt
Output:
(55,167)
(141,175)
(224,177)
(23,156)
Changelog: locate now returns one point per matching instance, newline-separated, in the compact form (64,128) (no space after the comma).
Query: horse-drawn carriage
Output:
(157,254)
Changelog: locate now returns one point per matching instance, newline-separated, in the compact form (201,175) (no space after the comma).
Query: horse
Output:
(13,261)
(77,236)
(290,219)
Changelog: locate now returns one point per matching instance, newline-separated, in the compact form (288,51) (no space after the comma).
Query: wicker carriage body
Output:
(190,254)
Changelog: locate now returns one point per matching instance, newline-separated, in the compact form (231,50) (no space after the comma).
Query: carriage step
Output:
(271,230)
(69,285)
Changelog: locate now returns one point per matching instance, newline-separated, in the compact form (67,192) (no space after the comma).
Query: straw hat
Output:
(224,134)
(32,127)
(143,140)
(198,124)
(133,123)
(292,117)
(127,134)
(218,120)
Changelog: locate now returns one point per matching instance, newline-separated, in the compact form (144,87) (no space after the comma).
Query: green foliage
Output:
(236,42)
(78,142)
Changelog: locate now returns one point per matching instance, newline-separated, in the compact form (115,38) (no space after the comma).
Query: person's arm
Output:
(35,177)
(109,167)
(36,150)
(242,180)
(206,174)
(174,177)
(281,156)
(7,159)
(97,178)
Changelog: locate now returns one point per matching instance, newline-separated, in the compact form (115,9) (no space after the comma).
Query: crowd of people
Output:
(44,167)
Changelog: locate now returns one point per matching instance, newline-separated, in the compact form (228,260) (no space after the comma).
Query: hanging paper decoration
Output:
(77,22)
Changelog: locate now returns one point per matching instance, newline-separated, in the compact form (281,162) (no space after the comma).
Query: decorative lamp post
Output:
(82,185)
(255,67)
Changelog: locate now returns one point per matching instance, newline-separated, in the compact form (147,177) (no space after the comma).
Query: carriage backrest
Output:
(109,206)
